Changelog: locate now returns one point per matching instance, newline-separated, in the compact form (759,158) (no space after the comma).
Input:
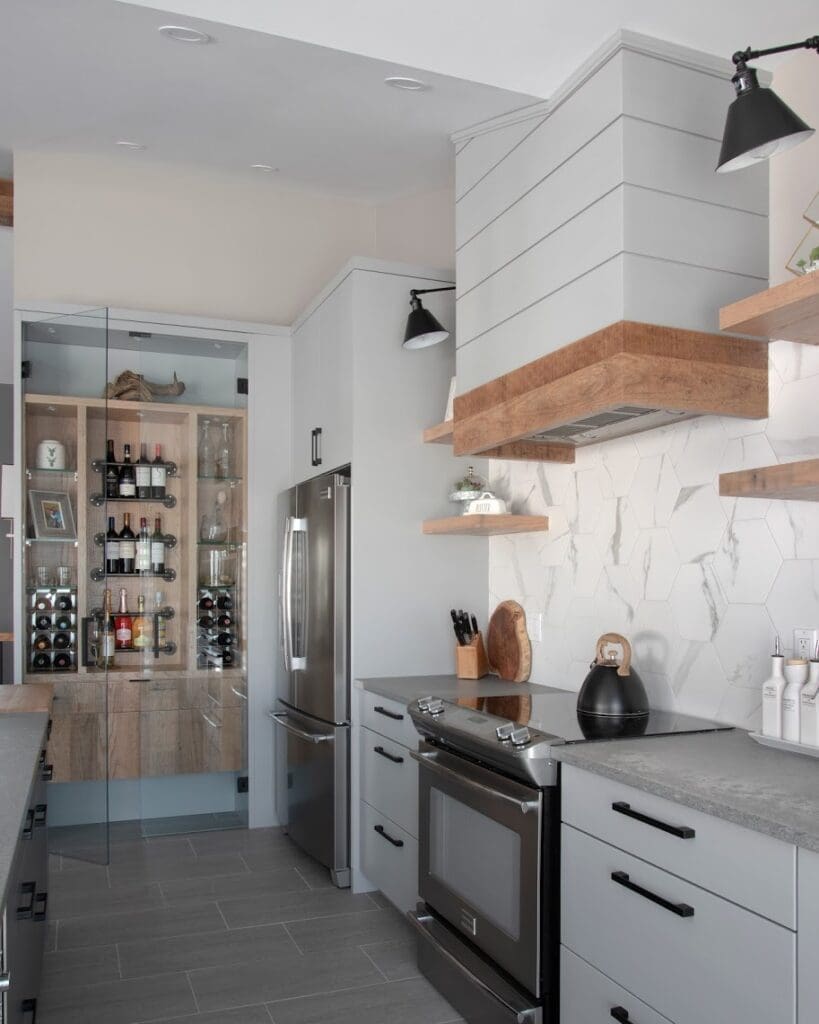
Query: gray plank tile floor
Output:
(224,927)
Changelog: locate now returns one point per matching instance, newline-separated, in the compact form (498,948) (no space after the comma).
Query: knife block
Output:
(471,661)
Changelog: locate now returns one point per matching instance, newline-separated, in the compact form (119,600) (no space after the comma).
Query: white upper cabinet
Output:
(305,396)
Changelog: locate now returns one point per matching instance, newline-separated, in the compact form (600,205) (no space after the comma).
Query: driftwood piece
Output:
(132,387)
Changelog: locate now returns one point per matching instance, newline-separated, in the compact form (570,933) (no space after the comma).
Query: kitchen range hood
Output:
(623,379)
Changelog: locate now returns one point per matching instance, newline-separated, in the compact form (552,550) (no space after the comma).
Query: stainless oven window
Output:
(476,858)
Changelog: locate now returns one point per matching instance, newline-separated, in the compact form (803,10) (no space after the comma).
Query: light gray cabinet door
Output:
(589,997)
(335,415)
(807,976)
(306,396)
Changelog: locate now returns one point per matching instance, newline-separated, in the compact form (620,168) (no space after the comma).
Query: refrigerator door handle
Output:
(293,661)
(280,718)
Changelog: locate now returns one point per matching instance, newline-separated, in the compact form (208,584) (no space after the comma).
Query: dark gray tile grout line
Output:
(193,991)
(375,965)
(119,960)
(290,936)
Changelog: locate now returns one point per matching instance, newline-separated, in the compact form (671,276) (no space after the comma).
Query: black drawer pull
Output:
(380,830)
(28,828)
(41,898)
(389,757)
(27,909)
(680,831)
(48,772)
(30,1006)
(621,1013)
(40,812)
(388,714)
(680,909)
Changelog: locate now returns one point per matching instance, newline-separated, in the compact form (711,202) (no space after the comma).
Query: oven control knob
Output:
(436,707)
(504,732)
(520,737)
(424,703)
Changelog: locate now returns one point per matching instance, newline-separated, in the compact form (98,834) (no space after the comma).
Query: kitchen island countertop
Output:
(725,774)
(409,688)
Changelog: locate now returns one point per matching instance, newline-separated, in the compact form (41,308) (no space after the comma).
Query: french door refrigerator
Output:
(312,713)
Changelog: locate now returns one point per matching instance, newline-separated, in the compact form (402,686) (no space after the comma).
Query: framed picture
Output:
(52,516)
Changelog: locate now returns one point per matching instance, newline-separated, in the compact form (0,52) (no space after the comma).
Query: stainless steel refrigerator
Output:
(312,713)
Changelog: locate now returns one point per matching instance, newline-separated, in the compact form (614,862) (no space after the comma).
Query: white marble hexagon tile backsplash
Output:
(641,543)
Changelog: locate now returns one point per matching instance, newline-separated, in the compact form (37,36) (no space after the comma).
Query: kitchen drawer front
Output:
(390,718)
(389,780)
(807,976)
(754,870)
(589,997)
(722,963)
(392,869)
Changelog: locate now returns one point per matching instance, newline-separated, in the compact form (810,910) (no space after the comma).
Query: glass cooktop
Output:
(554,712)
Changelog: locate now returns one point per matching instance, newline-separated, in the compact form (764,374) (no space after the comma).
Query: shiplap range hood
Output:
(595,246)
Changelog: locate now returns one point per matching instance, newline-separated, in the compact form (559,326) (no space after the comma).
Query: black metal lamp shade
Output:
(758,124)
(423,329)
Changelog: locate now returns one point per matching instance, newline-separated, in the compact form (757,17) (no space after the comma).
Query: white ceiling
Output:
(526,45)
(77,75)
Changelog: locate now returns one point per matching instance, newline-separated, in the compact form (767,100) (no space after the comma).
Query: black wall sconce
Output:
(759,124)
(423,329)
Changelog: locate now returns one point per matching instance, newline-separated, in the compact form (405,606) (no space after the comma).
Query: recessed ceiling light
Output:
(407,84)
(263,167)
(126,144)
(184,34)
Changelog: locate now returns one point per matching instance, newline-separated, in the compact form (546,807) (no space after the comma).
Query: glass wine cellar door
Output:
(159,655)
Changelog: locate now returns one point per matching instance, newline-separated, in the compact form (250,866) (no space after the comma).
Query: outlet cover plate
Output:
(805,640)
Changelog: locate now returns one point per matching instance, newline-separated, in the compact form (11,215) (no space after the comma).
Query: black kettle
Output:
(612,689)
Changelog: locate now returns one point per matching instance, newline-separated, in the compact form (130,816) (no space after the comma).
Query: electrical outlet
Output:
(804,642)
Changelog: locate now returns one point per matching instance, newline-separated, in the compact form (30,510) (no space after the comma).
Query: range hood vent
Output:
(624,379)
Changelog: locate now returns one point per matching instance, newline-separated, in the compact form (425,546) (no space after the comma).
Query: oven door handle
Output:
(431,762)
(520,1016)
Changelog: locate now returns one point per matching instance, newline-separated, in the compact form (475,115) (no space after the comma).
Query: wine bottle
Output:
(127,478)
(227,657)
(62,660)
(62,641)
(158,474)
(143,549)
(42,642)
(122,624)
(206,602)
(41,660)
(43,603)
(63,603)
(105,651)
(161,625)
(143,473)
(224,621)
(43,622)
(158,548)
(127,546)
(225,602)
(111,472)
(206,621)
(62,622)
(113,564)
(224,639)
(141,627)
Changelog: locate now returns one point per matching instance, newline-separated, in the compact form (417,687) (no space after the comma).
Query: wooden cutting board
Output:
(507,643)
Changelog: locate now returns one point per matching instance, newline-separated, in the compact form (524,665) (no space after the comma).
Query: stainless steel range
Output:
(489,844)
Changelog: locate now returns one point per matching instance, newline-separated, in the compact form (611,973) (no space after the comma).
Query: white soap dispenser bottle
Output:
(809,725)
(772,690)
(796,675)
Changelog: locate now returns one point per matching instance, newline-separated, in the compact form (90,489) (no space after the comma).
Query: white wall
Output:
(6,303)
(641,543)
(418,229)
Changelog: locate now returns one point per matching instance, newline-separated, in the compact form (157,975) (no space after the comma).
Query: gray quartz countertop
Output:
(725,774)
(22,737)
(409,688)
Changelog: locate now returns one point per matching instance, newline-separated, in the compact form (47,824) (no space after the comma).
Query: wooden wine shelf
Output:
(787,312)
(486,526)
(794,481)
(441,433)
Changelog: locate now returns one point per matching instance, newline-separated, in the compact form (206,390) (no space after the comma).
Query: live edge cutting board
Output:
(507,643)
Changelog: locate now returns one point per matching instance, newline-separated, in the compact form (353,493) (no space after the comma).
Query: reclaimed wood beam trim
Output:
(793,481)
(786,312)
(6,203)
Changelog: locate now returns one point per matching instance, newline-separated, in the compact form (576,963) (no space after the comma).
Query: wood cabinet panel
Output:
(77,747)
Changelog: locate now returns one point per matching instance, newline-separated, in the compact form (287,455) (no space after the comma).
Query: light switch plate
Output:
(805,640)
(534,623)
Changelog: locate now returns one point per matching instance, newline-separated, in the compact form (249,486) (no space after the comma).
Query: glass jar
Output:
(224,454)
(213,527)
(217,567)
(207,457)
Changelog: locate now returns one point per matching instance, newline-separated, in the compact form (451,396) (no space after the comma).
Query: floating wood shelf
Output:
(794,481)
(486,526)
(441,433)
(787,312)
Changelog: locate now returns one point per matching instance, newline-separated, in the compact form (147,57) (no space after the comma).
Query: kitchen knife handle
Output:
(680,831)
(680,909)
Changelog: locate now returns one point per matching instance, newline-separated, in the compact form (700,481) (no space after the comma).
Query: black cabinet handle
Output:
(388,714)
(680,831)
(318,447)
(28,828)
(380,830)
(40,812)
(313,447)
(621,1013)
(42,899)
(680,909)
(30,1006)
(27,909)
(48,772)
(389,757)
